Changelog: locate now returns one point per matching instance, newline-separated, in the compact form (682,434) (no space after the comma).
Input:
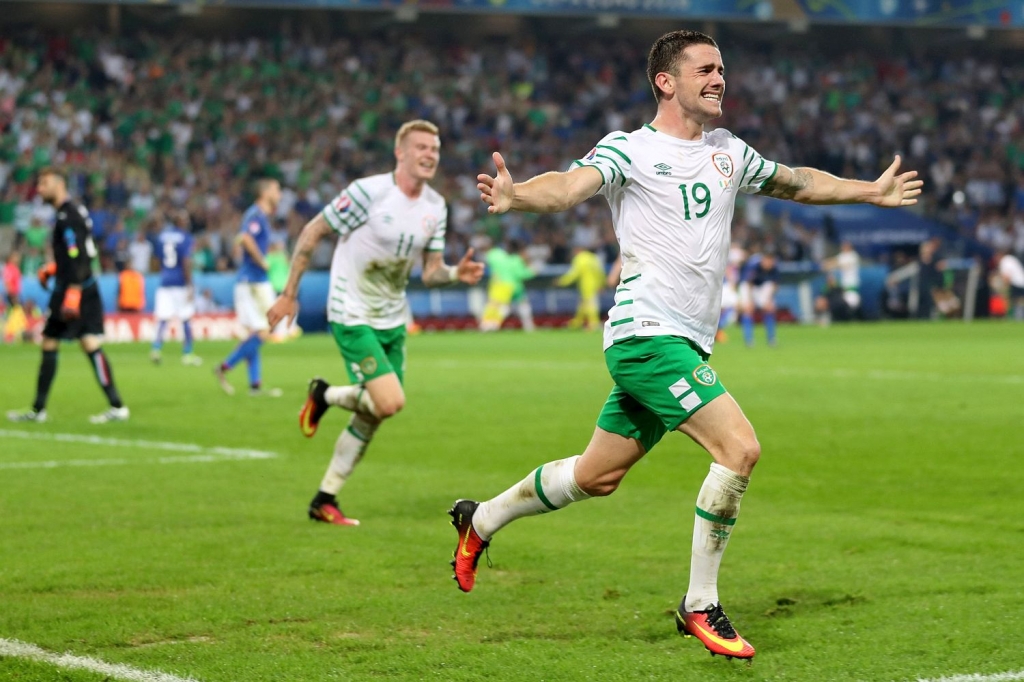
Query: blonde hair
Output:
(417,125)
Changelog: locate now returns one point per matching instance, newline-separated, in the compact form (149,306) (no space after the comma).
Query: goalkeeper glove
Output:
(71,308)
(45,273)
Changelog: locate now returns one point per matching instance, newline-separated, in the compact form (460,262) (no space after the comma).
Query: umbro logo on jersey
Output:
(663,168)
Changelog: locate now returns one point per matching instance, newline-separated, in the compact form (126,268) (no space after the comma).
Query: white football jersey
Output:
(672,204)
(848,263)
(383,233)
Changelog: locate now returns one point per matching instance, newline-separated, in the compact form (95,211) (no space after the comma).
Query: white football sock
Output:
(354,398)
(718,505)
(550,487)
(525,313)
(348,450)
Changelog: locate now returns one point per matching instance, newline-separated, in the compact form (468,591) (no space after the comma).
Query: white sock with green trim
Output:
(348,450)
(549,487)
(354,398)
(718,505)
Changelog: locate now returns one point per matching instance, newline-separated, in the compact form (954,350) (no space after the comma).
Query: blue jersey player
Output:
(253,293)
(759,280)
(175,297)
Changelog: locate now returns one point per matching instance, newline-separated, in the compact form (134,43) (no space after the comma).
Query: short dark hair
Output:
(53,170)
(263,184)
(666,51)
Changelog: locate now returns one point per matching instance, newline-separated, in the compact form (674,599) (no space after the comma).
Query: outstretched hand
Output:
(284,308)
(469,271)
(497,192)
(897,190)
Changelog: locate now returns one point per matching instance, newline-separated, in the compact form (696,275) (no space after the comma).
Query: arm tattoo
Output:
(304,248)
(799,179)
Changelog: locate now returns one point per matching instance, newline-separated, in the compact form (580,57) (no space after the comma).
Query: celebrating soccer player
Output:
(386,223)
(175,297)
(672,188)
(253,293)
(76,311)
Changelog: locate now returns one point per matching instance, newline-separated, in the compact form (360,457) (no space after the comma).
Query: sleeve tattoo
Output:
(787,183)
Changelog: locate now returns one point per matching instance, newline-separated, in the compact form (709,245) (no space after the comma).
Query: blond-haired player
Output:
(385,224)
(672,189)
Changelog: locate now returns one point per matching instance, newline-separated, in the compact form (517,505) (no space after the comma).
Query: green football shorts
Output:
(660,381)
(370,353)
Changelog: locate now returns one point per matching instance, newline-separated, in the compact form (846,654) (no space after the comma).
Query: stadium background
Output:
(175,107)
(882,539)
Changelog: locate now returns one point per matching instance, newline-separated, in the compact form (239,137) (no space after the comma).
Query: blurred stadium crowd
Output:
(170,128)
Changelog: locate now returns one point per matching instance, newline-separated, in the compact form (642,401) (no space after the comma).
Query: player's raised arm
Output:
(546,193)
(811,186)
(436,273)
(285,306)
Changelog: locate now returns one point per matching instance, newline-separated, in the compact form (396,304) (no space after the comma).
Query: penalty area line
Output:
(118,671)
(196,453)
(979,677)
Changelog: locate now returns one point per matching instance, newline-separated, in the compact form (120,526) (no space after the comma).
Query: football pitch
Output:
(881,537)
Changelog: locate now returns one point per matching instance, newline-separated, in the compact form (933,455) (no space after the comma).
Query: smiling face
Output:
(419,154)
(698,85)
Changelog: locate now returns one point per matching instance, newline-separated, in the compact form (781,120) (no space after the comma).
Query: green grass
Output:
(880,538)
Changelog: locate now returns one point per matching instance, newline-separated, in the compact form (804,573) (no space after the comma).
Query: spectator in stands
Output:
(140,252)
(847,264)
(190,135)
(205,304)
(12,280)
(1011,279)
(131,291)
(929,279)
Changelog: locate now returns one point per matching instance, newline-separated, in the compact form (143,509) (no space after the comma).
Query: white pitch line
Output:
(118,671)
(978,677)
(199,453)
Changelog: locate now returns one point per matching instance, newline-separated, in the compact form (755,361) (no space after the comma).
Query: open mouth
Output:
(712,96)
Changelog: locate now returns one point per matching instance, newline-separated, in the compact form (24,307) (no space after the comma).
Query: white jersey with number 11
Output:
(383,233)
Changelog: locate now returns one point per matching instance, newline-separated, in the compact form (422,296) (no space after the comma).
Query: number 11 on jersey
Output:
(401,243)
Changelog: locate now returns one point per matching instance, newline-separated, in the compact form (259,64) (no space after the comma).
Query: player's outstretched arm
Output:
(436,273)
(811,186)
(285,306)
(546,193)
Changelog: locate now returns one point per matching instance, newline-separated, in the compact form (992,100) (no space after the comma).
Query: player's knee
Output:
(601,485)
(748,452)
(390,406)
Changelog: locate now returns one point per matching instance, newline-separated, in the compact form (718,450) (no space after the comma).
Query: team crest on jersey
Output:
(705,375)
(254,227)
(723,162)
(429,225)
(592,155)
(342,204)
(368,365)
